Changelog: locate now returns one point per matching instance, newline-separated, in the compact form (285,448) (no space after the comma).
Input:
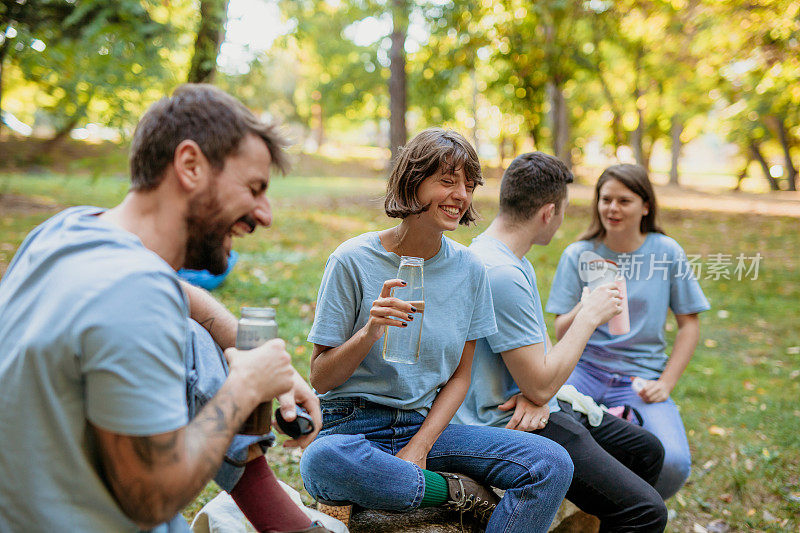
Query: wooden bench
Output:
(436,520)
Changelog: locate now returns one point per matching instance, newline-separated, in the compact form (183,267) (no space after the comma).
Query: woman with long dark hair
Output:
(625,230)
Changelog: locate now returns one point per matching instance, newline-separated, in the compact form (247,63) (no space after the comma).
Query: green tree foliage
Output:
(93,58)
(653,73)
(335,77)
(443,75)
(269,84)
(24,22)
(557,73)
(532,51)
(761,47)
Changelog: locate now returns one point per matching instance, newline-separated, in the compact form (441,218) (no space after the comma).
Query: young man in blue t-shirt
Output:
(518,377)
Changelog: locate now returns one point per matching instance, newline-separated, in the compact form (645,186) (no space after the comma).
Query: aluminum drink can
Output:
(257,326)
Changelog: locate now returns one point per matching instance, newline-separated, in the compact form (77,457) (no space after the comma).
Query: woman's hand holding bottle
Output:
(385,307)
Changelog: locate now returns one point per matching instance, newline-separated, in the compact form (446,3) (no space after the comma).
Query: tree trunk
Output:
(56,140)
(560,119)
(534,139)
(3,54)
(675,133)
(397,79)
(791,171)
(616,112)
(647,152)
(743,174)
(757,155)
(210,35)
(475,140)
(319,124)
(637,138)
(501,150)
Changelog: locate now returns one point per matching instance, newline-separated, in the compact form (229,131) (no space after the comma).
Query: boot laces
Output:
(481,508)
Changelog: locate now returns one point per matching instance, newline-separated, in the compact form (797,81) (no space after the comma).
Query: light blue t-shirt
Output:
(658,277)
(458,308)
(93,329)
(520,322)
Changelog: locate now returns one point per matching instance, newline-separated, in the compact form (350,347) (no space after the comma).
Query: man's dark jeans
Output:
(616,464)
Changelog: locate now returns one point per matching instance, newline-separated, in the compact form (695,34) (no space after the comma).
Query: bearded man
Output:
(98,354)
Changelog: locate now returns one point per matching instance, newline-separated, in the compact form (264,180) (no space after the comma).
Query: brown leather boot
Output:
(464,494)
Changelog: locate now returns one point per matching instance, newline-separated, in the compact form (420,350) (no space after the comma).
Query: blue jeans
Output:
(206,371)
(662,419)
(353,460)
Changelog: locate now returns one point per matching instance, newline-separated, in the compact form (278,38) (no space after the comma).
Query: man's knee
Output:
(652,449)
(650,512)
(647,460)
(657,515)
(674,473)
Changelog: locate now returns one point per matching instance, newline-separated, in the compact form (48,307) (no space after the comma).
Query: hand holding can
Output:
(256,327)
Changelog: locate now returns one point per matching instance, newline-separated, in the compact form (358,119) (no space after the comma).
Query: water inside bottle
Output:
(401,344)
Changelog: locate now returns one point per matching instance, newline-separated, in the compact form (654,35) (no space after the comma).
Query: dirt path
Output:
(15,205)
(782,203)
(776,204)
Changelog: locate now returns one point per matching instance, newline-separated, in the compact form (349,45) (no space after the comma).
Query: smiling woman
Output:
(391,421)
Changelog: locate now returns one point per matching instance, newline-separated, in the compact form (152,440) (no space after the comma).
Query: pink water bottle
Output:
(621,324)
(603,271)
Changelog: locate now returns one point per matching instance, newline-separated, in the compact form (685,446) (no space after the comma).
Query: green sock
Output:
(435,489)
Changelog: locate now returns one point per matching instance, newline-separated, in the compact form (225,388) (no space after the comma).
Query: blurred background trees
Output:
(582,79)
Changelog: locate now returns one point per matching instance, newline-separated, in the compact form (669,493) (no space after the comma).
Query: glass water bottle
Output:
(401,344)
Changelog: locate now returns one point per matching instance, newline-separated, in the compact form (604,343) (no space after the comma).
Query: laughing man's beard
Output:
(205,248)
(205,251)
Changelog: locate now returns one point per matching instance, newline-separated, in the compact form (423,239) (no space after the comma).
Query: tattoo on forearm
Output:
(218,419)
(156,451)
(154,476)
(207,323)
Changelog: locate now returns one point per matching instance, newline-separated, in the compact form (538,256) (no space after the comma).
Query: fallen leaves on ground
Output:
(716,430)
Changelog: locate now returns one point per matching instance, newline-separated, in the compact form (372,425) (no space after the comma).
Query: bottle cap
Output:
(411,261)
(258,312)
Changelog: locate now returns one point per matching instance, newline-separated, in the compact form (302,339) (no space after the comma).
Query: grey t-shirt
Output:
(93,329)
(520,322)
(658,277)
(458,308)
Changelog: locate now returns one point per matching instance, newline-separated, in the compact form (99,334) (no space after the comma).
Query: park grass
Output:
(738,398)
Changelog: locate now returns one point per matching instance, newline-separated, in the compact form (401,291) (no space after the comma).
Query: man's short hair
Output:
(429,152)
(212,118)
(531,181)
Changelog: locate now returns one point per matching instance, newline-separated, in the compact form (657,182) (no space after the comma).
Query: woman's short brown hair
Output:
(431,151)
